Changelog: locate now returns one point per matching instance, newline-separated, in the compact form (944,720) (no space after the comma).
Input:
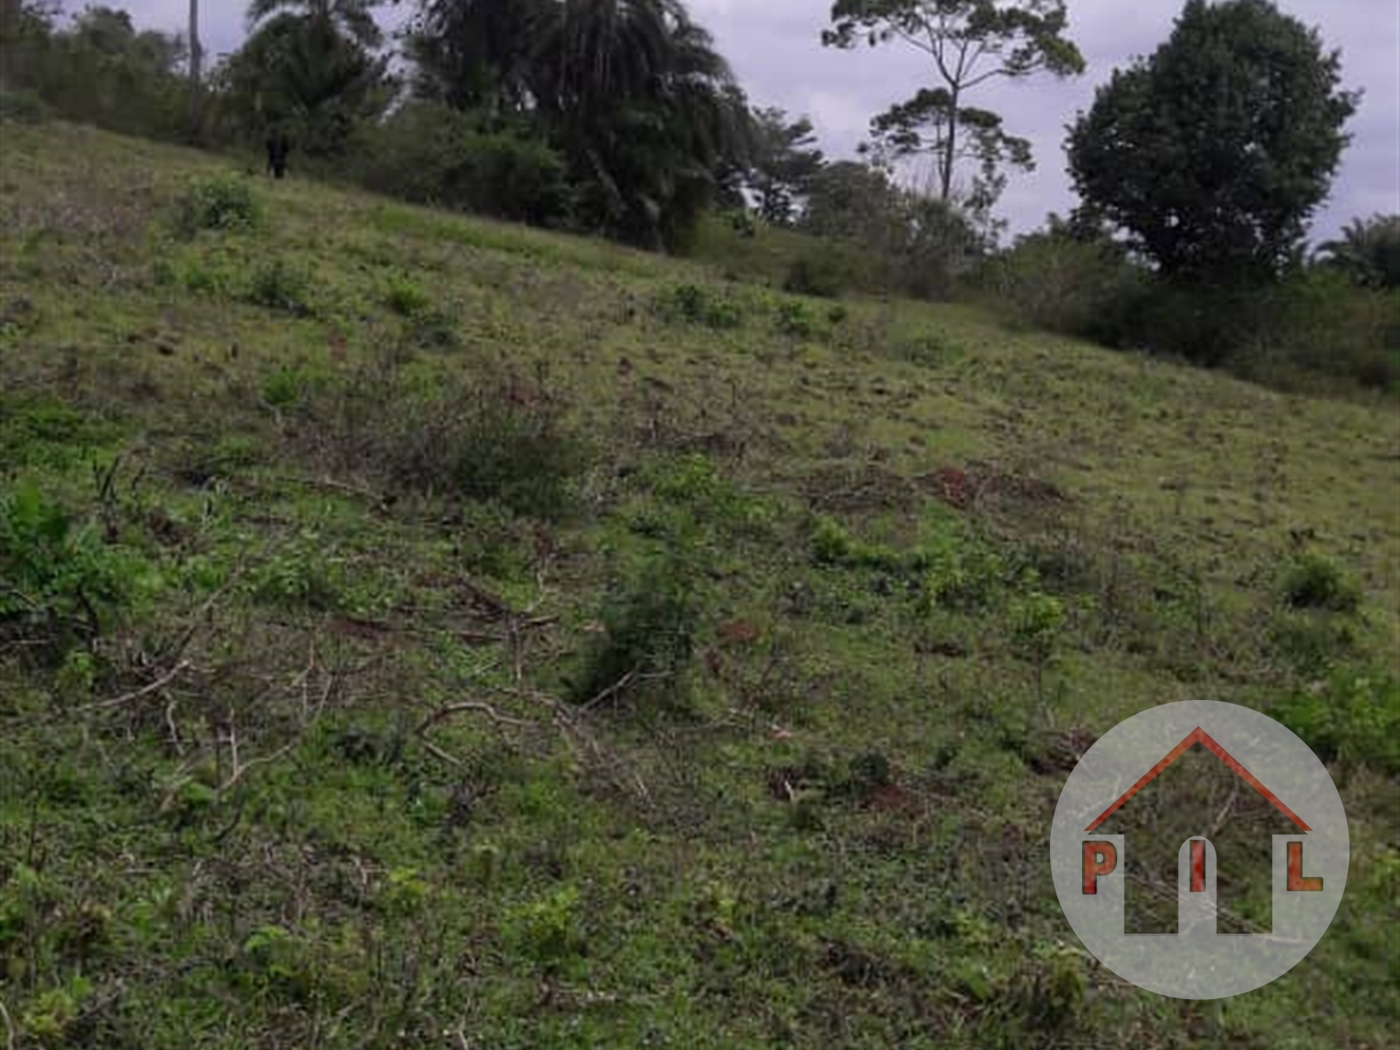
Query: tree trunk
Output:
(196,57)
(950,149)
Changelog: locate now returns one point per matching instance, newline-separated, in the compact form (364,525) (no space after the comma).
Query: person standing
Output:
(279,145)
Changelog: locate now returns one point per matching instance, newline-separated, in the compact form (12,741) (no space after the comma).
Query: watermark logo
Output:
(1174,810)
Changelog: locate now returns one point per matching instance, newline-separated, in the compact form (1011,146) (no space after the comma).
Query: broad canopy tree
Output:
(1214,152)
(970,43)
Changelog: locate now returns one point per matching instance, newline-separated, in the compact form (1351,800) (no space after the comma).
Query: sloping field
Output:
(424,632)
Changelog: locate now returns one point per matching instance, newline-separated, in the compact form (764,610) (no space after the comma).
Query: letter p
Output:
(1100,858)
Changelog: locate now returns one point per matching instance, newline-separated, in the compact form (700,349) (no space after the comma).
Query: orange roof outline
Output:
(1200,736)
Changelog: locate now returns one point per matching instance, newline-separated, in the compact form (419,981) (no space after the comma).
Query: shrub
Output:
(692,304)
(301,577)
(549,933)
(1352,718)
(431,154)
(24,107)
(61,584)
(962,577)
(223,203)
(650,624)
(692,482)
(1036,621)
(407,299)
(279,286)
(476,444)
(833,545)
(1078,288)
(794,321)
(1321,324)
(1313,581)
(285,387)
(827,275)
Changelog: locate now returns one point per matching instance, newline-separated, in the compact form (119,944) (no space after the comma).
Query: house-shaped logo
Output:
(1198,878)
(1299,835)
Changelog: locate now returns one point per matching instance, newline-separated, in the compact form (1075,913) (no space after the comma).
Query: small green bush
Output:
(406,299)
(833,545)
(59,584)
(691,304)
(650,625)
(1313,581)
(225,203)
(279,286)
(694,483)
(1352,718)
(299,578)
(962,577)
(549,933)
(825,275)
(285,387)
(795,321)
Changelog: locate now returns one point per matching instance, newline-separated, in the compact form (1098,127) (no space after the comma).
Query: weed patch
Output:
(280,286)
(224,204)
(692,304)
(60,585)
(1313,581)
(458,441)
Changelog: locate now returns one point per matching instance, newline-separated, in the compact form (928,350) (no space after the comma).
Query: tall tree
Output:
(196,57)
(476,54)
(308,66)
(970,42)
(632,91)
(1214,152)
(785,161)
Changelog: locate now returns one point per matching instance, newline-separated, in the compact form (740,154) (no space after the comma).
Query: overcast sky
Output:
(775,48)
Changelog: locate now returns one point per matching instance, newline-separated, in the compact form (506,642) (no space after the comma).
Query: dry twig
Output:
(9,1027)
(146,690)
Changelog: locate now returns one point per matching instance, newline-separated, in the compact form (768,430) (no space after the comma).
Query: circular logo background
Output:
(1310,859)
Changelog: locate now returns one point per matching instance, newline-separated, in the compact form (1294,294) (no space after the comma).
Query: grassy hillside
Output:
(422,632)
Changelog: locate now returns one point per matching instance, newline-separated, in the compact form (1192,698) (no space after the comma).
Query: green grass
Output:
(621,656)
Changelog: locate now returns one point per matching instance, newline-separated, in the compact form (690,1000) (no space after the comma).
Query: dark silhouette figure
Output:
(278,146)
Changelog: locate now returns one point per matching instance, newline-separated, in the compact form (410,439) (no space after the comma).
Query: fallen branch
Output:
(380,501)
(146,690)
(442,714)
(9,1027)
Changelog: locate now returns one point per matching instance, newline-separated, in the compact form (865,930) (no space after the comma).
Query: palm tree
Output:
(475,54)
(645,106)
(633,92)
(1368,251)
(306,72)
(355,18)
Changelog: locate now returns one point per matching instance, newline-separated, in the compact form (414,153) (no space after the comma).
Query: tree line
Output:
(1198,167)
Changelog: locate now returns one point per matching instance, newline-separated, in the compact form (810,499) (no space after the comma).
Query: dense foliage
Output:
(631,92)
(1219,190)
